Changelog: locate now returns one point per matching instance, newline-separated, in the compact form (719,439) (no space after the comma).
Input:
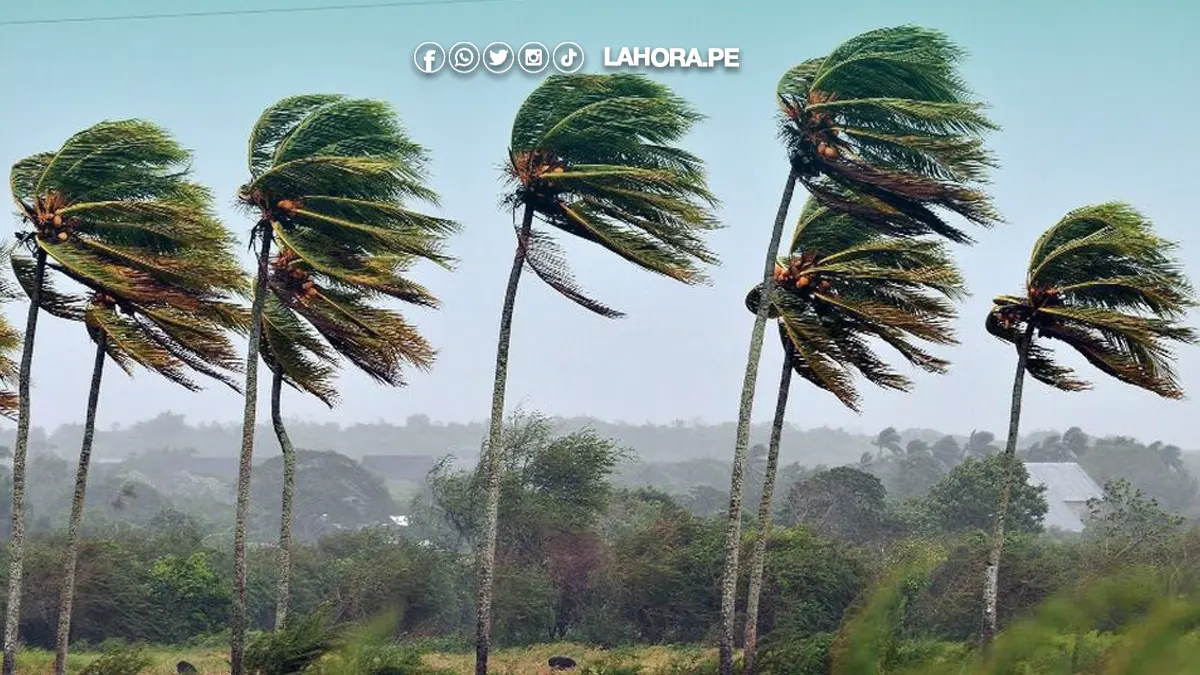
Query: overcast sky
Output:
(1097,102)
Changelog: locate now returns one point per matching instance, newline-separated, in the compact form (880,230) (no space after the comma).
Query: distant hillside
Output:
(420,437)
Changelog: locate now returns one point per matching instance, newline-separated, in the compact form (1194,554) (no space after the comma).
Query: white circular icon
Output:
(568,57)
(464,57)
(498,57)
(429,57)
(533,57)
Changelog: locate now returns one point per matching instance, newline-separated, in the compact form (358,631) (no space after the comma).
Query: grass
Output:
(519,661)
(532,660)
(207,661)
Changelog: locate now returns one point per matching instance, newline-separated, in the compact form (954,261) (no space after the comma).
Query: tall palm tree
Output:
(593,156)
(330,180)
(843,285)
(885,129)
(164,339)
(111,209)
(1105,284)
(308,323)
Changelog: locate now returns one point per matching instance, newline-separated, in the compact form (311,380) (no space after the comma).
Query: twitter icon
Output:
(498,57)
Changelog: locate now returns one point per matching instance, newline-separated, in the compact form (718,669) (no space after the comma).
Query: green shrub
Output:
(782,654)
(120,661)
(293,648)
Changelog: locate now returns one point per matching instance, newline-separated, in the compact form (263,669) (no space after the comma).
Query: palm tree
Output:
(843,285)
(164,339)
(888,439)
(593,156)
(330,178)
(305,328)
(882,128)
(111,209)
(1103,283)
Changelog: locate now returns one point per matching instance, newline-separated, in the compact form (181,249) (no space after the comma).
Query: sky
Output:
(1095,101)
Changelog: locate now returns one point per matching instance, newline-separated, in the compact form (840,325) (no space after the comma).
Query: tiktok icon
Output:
(568,57)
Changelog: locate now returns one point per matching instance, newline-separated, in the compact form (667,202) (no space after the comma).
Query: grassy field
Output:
(525,661)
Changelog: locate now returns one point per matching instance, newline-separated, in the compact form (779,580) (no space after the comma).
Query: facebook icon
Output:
(429,57)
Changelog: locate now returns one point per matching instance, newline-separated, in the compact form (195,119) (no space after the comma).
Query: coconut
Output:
(803,281)
(62,236)
(311,291)
(286,205)
(825,284)
(307,285)
(57,220)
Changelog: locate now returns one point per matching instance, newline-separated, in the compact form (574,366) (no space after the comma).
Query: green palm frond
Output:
(338,173)
(291,346)
(115,212)
(333,178)
(845,287)
(595,156)
(887,115)
(1103,282)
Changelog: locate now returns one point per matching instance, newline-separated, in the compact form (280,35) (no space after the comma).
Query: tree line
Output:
(584,560)
(882,133)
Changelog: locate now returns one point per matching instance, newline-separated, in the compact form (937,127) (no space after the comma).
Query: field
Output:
(522,661)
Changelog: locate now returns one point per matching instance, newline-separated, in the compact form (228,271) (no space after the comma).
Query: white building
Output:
(1068,489)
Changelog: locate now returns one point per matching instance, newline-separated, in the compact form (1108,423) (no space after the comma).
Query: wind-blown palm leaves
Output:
(1103,283)
(845,285)
(884,129)
(329,181)
(593,156)
(843,289)
(113,211)
(887,116)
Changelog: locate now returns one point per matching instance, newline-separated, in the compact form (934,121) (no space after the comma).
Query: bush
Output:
(120,661)
(788,654)
(291,649)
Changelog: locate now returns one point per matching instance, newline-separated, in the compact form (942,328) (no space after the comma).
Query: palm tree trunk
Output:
(492,455)
(758,555)
(237,639)
(284,588)
(991,579)
(67,597)
(733,530)
(16,563)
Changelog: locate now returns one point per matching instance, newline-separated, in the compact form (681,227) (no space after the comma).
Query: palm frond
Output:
(114,210)
(1103,282)
(845,287)
(595,156)
(887,117)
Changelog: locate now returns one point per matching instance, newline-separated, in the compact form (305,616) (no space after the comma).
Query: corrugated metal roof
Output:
(1065,482)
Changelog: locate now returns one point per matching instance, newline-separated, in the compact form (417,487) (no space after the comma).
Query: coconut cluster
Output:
(799,273)
(290,273)
(530,168)
(51,224)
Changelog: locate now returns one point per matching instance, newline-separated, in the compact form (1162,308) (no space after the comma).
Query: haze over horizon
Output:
(1057,83)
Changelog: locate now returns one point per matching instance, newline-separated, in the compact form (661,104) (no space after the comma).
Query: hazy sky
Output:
(1097,102)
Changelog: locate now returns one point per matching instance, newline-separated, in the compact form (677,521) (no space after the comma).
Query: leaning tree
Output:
(885,129)
(114,211)
(1102,282)
(595,157)
(331,179)
(842,288)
